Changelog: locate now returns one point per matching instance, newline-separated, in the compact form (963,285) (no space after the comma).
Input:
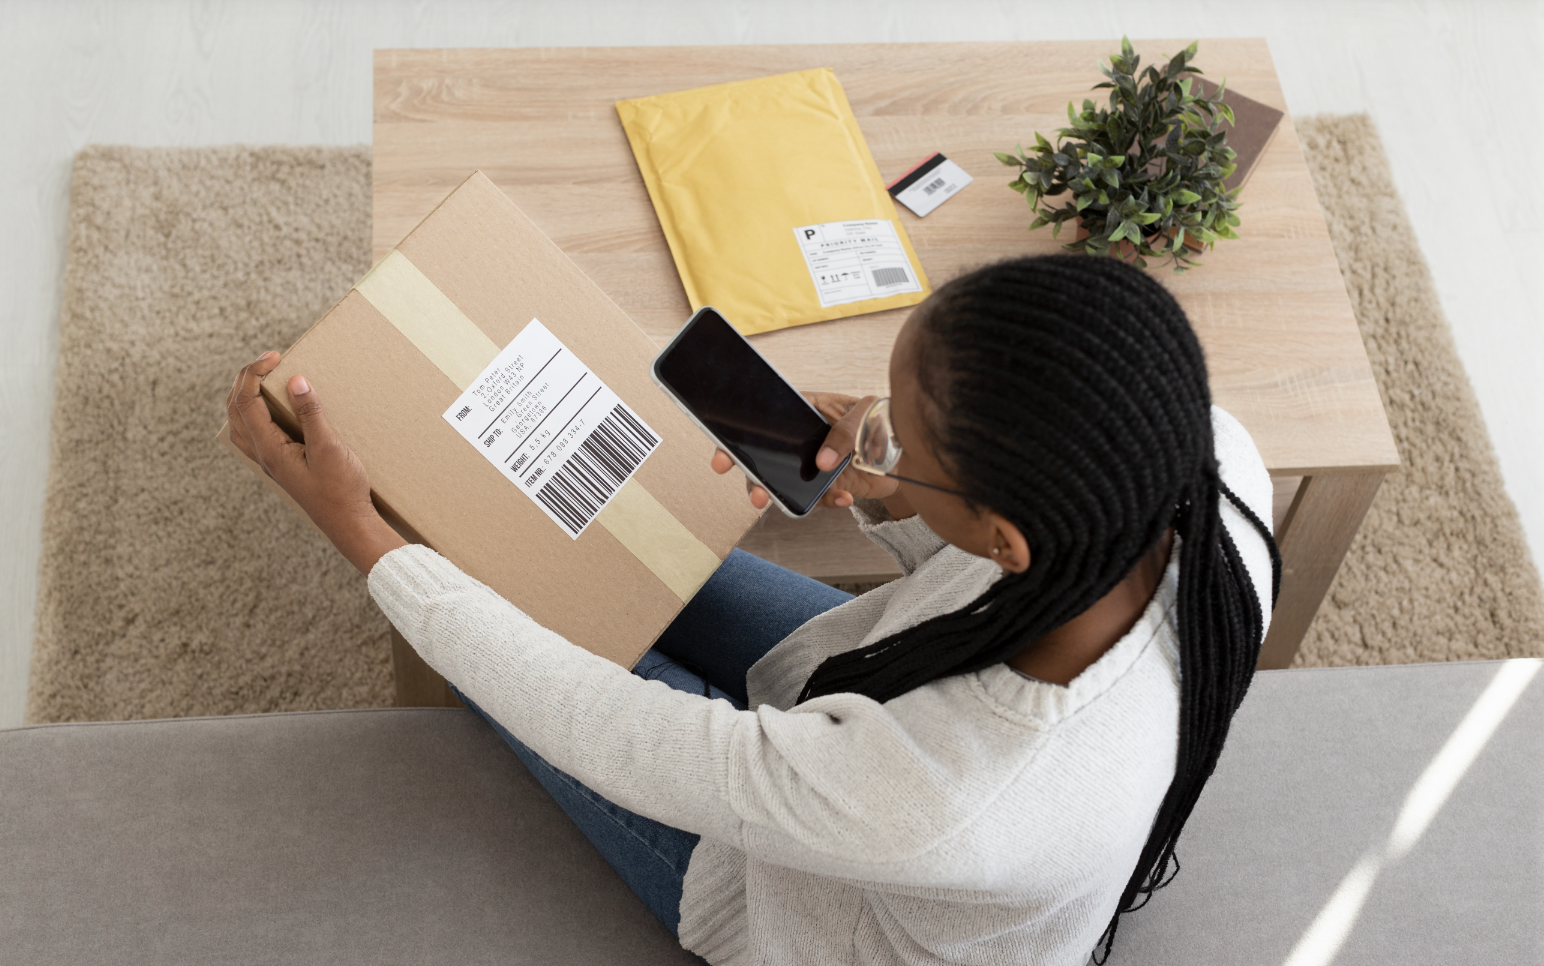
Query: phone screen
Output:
(751,411)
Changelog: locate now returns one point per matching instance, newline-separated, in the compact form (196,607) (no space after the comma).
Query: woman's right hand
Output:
(844,413)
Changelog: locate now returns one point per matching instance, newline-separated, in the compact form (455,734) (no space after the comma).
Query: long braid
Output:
(1072,399)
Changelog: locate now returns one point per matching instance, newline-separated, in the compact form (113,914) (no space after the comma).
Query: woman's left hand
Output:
(843,413)
(321,473)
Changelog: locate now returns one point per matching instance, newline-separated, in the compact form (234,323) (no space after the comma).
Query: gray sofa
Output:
(414,836)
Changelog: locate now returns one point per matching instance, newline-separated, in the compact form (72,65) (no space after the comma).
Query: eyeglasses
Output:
(877,451)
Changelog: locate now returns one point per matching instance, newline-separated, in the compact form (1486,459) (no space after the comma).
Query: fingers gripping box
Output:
(502,407)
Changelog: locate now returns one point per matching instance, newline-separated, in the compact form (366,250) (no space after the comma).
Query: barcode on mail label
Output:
(890,276)
(934,185)
(596,469)
(553,428)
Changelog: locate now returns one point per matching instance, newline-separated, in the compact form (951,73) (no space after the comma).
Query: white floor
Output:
(1446,80)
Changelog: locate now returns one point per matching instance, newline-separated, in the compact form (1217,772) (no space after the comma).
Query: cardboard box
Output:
(391,358)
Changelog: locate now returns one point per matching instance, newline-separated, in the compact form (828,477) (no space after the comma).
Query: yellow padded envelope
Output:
(773,207)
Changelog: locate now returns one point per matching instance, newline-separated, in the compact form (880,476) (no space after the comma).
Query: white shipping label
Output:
(850,261)
(552,428)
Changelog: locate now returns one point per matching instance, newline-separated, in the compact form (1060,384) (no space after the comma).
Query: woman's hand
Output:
(844,414)
(321,473)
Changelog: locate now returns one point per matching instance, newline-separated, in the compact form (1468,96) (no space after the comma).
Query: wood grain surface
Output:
(1271,310)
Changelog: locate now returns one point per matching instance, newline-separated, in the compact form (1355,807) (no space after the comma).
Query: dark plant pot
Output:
(1126,249)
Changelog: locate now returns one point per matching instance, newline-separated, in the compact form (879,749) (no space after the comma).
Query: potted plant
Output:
(1145,173)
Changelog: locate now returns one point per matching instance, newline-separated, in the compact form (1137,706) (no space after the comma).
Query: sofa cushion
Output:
(406,835)
(1315,775)
(413,835)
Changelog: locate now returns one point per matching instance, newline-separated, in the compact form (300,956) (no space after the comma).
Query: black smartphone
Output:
(719,379)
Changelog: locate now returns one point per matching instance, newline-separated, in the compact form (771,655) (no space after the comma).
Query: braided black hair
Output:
(1071,398)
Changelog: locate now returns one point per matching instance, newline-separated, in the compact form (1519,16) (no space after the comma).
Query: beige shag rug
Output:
(173,583)
(1440,570)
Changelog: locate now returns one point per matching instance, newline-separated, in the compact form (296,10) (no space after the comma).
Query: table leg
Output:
(1314,538)
(418,684)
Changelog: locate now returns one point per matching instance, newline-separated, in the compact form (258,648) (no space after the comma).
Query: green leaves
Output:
(1145,172)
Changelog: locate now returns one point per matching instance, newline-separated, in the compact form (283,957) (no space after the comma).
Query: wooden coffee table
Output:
(1271,310)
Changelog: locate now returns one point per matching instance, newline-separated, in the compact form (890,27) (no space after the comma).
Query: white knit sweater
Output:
(984,818)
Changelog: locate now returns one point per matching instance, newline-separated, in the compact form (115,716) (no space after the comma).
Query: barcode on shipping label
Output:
(596,470)
(552,428)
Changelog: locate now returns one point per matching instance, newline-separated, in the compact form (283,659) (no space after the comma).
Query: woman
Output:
(985,761)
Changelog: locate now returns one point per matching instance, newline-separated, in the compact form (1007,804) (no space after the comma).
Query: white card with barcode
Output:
(930,184)
(552,428)
(850,261)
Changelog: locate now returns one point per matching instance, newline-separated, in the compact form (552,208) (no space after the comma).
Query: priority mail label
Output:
(552,428)
(929,184)
(850,261)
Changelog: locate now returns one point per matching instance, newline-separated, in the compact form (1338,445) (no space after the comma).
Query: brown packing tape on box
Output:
(398,349)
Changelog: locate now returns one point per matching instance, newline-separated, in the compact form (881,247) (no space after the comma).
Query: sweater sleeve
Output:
(910,541)
(800,787)
(657,751)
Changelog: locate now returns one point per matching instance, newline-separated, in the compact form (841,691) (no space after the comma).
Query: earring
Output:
(996,551)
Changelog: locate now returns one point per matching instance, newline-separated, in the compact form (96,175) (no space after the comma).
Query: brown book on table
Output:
(1254,126)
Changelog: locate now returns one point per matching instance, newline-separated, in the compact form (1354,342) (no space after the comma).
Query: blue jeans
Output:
(745,608)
